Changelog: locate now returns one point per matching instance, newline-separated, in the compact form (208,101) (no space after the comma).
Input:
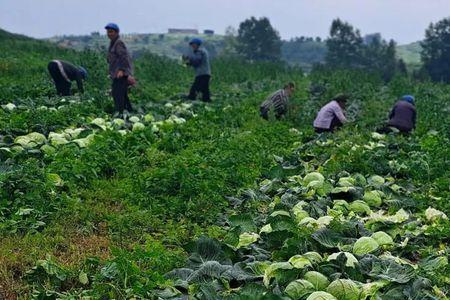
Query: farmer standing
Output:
(120,70)
(63,73)
(279,101)
(331,116)
(199,60)
(403,115)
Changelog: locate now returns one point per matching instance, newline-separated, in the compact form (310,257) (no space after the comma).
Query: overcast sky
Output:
(403,20)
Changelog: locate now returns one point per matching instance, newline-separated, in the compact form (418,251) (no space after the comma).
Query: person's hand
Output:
(120,74)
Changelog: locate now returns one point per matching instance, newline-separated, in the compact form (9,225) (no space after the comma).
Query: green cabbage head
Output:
(382,238)
(314,180)
(360,207)
(299,288)
(321,296)
(319,281)
(376,181)
(365,245)
(373,198)
(344,289)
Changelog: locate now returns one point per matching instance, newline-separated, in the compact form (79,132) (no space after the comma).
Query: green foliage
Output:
(258,40)
(435,51)
(95,209)
(345,45)
(304,52)
(346,49)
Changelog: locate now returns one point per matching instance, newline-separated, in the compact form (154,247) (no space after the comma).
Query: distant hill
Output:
(6,35)
(303,51)
(410,53)
(170,45)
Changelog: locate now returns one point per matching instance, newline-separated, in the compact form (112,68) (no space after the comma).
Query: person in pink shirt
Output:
(331,116)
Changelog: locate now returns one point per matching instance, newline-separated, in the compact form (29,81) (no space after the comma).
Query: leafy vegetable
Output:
(351,260)
(247,238)
(373,198)
(313,180)
(365,245)
(300,262)
(319,281)
(321,296)
(299,288)
(138,126)
(382,238)
(433,214)
(344,289)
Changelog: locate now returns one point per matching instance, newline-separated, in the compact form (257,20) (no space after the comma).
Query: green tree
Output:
(345,45)
(303,52)
(258,40)
(346,49)
(230,42)
(436,51)
(390,66)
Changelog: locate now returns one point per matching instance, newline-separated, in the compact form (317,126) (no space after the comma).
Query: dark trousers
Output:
(388,129)
(201,84)
(120,94)
(335,123)
(62,86)
(264,113)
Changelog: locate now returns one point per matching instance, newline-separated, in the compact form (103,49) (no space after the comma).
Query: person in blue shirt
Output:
(199,60)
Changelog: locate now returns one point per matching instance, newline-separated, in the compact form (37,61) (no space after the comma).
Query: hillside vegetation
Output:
(304,52)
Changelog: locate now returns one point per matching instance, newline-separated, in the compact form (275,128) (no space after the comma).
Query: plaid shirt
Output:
(278,100)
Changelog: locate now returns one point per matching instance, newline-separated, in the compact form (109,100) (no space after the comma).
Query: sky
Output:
(402,20)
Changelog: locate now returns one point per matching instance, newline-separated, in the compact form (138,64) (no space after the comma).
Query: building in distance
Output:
(183,31)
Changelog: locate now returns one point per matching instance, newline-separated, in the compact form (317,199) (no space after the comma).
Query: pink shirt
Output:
(327,114)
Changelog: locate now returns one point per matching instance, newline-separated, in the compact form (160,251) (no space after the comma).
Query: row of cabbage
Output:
(35,142)
(345,237)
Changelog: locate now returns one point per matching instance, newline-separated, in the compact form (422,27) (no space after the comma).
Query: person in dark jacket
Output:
(199,60)
(120,69)
(402,116)
(63,73)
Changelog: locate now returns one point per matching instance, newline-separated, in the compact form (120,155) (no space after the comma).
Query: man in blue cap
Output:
(403,115)
(63,73)
(199,60)
(120,69)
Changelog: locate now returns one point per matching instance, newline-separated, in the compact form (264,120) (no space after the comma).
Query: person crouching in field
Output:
(63,73)
(279,101)
(120,70)
(402,116)
(331,116)
(199,60)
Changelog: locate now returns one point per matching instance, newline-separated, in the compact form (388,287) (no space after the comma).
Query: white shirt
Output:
(327,114)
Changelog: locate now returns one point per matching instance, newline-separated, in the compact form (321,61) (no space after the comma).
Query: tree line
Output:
(257,40)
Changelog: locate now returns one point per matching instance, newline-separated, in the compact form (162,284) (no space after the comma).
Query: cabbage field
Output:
(186,200)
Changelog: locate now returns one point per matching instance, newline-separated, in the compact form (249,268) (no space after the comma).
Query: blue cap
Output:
(112,26)
(197,41)
(83,72)
(408,98)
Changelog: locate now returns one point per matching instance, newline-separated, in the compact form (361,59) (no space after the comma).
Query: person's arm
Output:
(339,114)
(392,113)
(414,118)
(196,59)
(80,84)
(123,61)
